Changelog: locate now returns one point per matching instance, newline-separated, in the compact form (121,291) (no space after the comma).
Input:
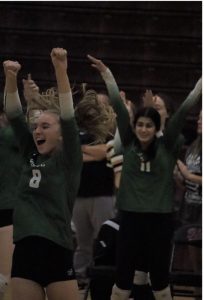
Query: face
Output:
(160,106)
(199,122)
(47,133)
(145,131)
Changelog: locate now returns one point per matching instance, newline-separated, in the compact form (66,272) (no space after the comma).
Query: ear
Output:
(60,138)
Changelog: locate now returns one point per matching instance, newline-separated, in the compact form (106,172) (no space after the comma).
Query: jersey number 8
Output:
(35,180)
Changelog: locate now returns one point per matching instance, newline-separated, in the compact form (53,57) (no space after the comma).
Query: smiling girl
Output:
(145,194)
(42,260)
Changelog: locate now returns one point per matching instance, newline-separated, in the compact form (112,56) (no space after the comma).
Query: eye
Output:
(139,124)
(150,125)
(45,126)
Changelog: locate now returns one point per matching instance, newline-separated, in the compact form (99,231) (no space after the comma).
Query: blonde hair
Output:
(94,117)
(46,101)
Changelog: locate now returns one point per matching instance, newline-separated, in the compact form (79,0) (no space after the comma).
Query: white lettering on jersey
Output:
(35,180)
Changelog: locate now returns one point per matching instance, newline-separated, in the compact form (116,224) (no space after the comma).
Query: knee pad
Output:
(3,285)
(119,294)
(141,278)
(164,294)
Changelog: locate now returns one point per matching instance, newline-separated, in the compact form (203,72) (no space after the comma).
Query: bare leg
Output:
(6,250)
(63,290)
(24,289)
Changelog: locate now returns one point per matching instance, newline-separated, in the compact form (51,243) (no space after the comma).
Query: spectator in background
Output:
(95,202)
(191,208)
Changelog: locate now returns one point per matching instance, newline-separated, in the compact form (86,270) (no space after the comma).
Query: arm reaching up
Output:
(12,102)
(59,60)
(117,103)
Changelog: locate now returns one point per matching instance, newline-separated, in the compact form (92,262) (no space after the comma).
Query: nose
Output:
(143,128)
(37,130)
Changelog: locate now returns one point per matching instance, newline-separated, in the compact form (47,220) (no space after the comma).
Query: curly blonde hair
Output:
(96,118)
(92,116)
(46,101)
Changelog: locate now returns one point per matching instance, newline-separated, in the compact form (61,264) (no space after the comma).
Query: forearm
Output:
(66,105)
(176,122)
(123,119)
(88,158)
(113,90)
(194,178)
(65,95)
(12,104)
(95,152)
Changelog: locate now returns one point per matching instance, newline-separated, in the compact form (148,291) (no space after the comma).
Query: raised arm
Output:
(12,101)
(123,119)
(176,122)
(71,143)
(59,61)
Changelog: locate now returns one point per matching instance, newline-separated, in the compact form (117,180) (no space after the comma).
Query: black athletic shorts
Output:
(43,261)
(6,217)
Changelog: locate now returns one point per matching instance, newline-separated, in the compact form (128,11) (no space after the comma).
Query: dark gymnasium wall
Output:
(147,44)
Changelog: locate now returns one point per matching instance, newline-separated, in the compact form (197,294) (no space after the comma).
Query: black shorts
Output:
(43,261)
(6,217)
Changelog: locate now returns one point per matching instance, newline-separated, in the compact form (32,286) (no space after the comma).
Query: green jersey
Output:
(147,185)
(48,186)
(10,167)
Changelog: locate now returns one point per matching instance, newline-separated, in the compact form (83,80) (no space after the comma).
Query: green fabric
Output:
(10,168)
(48,187)
(148,186)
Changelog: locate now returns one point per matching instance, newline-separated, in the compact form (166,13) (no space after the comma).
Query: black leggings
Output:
(144,244)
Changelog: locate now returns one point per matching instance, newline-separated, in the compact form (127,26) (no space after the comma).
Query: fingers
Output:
(12,66)
(93,59)
(97,63)
(59,53)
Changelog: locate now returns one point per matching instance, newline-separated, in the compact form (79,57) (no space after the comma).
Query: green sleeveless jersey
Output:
(147,186)
(48,186)
(10,167)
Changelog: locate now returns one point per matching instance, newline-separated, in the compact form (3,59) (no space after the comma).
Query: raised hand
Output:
(148,98)
(30,89)
(11,68)
(97,64)
(59,58)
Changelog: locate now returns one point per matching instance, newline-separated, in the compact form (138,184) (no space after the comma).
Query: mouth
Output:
(40,142)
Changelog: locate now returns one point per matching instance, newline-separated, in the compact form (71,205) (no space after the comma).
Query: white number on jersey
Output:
(35,180)
(145,166)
